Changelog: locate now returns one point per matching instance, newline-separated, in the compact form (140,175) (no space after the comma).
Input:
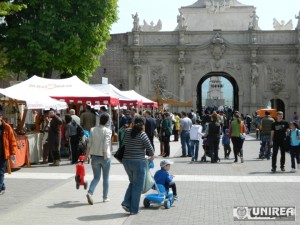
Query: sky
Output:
(167,11)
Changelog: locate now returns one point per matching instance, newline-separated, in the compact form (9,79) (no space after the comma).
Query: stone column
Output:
(137,71)
(181,66)
(254,74)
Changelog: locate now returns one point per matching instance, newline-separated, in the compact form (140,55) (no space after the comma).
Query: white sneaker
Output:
(293,170)
(89,199)
(106,200)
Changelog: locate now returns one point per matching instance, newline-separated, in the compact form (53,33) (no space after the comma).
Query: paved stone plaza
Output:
(207,192)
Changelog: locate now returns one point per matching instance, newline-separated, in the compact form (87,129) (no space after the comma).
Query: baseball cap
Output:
(165,162)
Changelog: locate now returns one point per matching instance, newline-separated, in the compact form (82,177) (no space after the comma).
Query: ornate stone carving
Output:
(136,22)
(202,65)
(158,78)
(137,68)
(151,27)
(217,6)
(298,24)
(253,24)
(217,49)
(298,74)
(254,74)
(231,65)
(275,79)
(181,73)
(282,25)
(181,38)
(137,74)
(253,38)
(182,25)
(181,61)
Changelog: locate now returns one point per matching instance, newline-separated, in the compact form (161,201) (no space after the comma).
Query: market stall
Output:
(42,93)
(124,99)
(147,103)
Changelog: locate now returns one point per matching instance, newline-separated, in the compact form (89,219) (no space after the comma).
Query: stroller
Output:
(162,196)
(206,149)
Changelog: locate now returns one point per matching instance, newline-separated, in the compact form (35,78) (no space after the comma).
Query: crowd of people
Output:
(137,130)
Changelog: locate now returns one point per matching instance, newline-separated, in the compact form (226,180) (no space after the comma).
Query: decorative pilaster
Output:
(137,71)
(181,66)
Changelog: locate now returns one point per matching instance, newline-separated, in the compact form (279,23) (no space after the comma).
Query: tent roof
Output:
(124,99)
(69,89)
(34,101)
(146,102)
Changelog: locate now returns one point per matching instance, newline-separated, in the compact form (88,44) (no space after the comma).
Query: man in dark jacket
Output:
(278,135)
(266,127)
(150,126)
(54,136)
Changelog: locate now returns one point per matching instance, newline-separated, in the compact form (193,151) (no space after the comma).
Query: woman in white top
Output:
(195,138)
(99,148)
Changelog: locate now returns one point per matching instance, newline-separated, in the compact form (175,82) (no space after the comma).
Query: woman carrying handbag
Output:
(137,145)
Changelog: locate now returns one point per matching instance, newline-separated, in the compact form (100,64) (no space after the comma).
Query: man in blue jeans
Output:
(185,127)
(265,133)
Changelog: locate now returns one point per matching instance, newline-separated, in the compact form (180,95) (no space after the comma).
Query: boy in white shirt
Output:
(195,138)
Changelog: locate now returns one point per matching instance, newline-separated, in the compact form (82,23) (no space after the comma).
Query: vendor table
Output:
(35,147)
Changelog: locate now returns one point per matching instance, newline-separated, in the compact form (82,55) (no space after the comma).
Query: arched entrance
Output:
(278,104)
(218,74)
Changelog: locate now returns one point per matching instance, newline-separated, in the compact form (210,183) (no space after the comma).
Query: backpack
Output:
(248,119)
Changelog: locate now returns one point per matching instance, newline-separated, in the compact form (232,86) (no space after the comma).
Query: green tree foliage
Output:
(9,7)
(62,35)
(6,8)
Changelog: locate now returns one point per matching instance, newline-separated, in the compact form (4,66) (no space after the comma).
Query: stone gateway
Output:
(209,40)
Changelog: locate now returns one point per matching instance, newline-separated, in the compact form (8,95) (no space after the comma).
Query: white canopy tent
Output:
(146,102)
(71,90)
(33,100)
(124,99)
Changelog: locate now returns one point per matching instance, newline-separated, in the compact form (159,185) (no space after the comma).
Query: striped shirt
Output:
(135,147)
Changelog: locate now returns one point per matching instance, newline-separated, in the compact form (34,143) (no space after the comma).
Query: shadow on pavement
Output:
(68,204)
(111,216)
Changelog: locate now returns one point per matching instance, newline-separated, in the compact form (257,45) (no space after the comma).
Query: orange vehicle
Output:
(261,112)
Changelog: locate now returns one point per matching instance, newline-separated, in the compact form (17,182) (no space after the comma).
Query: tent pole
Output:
(21,125)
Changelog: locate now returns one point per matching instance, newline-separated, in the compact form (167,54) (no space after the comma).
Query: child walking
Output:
(226,144)
(163,177)
(294,144)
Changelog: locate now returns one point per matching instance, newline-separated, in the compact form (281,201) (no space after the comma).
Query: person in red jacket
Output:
(8,148)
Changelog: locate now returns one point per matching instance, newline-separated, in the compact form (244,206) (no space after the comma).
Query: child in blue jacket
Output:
(163,177)
(226,144)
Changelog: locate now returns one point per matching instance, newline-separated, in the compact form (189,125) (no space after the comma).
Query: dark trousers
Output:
(173,186)
(294,155)
(151,137)
(276,147)
(74,141)
(3,164)
(55,152)
(213,143)
(227,150)
(166,140)
(176,135)
(237,143)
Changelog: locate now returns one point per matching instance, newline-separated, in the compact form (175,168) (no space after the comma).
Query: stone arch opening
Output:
(218,74)
(278,104)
